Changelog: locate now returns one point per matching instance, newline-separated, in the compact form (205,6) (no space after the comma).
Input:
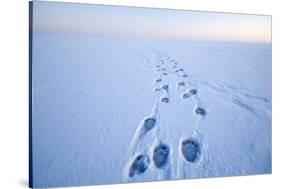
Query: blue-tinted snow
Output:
(92,94)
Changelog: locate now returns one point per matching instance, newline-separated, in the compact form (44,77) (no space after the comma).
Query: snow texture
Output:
(113,110)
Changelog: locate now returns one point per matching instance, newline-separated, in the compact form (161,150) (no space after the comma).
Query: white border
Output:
(14,90)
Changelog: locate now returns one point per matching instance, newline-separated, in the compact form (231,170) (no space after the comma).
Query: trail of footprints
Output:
(191,149)
(159,157)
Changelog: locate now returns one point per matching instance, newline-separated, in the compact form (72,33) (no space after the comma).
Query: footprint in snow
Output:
(165,99)
(189,94)
(165,87)
(181,83)
(191,150)
(139,165)
(157,89)
(200,111)
(186,95)
(160,155)
(149,123)
(158,80)
(193,91)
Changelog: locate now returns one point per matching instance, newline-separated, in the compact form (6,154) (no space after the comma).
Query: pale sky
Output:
(146,22)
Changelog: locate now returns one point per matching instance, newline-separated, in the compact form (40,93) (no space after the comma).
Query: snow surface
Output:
(112,110)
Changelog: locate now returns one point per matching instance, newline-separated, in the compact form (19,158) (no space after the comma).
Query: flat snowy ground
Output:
(113,110)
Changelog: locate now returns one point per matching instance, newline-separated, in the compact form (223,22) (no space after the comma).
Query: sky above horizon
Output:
(75,18)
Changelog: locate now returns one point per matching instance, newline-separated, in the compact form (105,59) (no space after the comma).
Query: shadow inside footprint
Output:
(186,95)
(193,91)
(190,150)
(160,155)
(157,89)
(139,165)
(184,75)
(200,111)
(165,99)
(165,73)
(158,80)
(166,87)
(181,83)
(149,123)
